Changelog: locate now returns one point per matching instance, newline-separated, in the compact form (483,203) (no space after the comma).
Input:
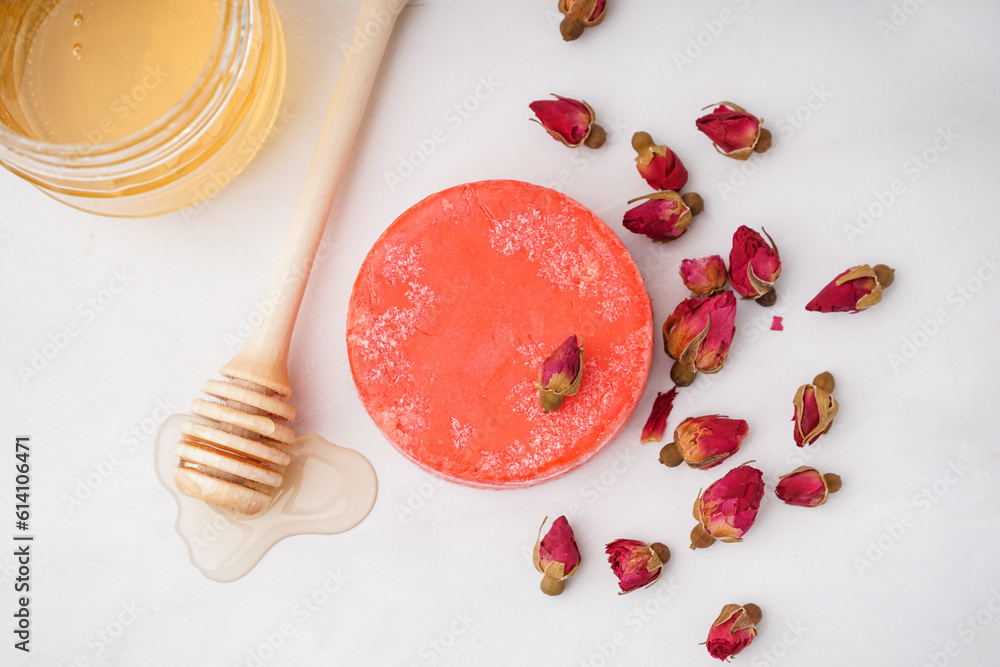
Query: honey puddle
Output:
(326,490)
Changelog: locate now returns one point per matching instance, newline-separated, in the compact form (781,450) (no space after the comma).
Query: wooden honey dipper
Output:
(236,455)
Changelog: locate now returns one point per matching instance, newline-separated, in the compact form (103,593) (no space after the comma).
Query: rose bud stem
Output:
(553,586)
(763,141)
(571,28)
(833,482)
(682,375)
(754,612)
(550,400)
(670,455)
(596,137)
(694,202)
(768,298)
(825,382)
(661,551)
(700,538)
(884,274)
(641,140)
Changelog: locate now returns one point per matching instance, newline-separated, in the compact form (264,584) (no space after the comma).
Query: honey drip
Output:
(326,490)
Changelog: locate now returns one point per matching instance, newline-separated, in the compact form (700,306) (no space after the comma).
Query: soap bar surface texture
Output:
(456,307)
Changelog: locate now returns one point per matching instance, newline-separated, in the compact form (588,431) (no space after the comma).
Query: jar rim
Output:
(225,48)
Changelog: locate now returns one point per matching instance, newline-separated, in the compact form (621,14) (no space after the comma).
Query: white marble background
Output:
(899,568)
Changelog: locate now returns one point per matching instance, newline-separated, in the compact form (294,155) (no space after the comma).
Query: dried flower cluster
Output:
(698,336)
(636,564)
(663,216)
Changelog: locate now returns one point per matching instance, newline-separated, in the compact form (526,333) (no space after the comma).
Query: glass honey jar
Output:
(134,108)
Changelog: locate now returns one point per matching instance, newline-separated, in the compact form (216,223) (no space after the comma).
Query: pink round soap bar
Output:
(455,309)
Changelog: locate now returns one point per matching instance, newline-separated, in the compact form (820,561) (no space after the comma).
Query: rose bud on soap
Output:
(733,630)
(815,409)
(556,555)
(807,487)
(854,290)
(569,121)
(657,164)
(705,276)
(754,266)
(704,442)
(560,375)
(734,132)
(698,335)
(663,216)
(635,563)
(579,15)
(657,422)
(727,508)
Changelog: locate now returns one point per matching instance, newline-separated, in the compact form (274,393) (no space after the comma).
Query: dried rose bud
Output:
(705,276)
(560,374)
(579,15)
(698,335)
(657,422)
(569,121)
(734,132)
(854,290)
(807,487)
(635,563)
(754,266)
(733,630)
(704,442)
(663,216)
(659,165)
(556,555)
(815,409)
(728,507)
